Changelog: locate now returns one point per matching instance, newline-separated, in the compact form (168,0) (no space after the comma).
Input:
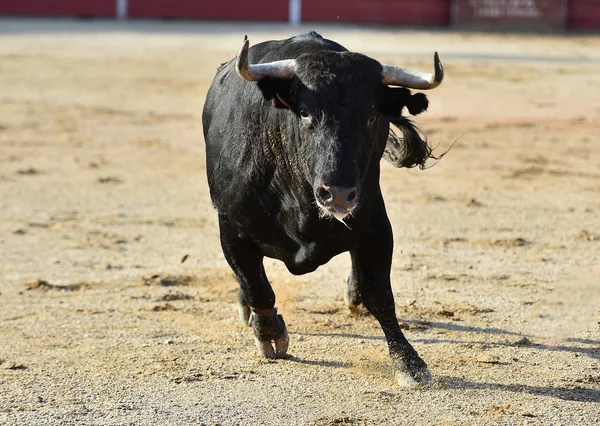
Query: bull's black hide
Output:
(293,167)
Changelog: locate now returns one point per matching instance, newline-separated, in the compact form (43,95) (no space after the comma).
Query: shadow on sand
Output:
(575,393)
(585,347)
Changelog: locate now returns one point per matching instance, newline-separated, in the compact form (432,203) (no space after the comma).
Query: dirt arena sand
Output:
(496,270)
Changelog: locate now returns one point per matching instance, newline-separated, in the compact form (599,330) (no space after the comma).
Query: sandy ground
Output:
(102,192)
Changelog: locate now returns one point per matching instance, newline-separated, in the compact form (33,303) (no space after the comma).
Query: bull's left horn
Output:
(397,76)
(285,69)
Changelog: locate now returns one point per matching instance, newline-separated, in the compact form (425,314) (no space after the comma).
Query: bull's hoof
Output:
(353,307)
(245,314)
(352,298)
(413,373)
(270,334)
(273,348)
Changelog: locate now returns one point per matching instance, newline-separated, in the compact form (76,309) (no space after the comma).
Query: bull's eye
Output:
(304,113)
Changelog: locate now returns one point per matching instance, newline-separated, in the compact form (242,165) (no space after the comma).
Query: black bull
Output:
(293,146)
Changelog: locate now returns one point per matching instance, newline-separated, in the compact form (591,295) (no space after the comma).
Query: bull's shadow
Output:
(576,393)
(592,350)
(331,364)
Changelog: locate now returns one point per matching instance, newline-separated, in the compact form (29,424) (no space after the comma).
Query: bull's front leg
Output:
(256,297)
(371,264)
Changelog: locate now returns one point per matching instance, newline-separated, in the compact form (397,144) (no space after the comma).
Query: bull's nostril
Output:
(351,198)
(324,195)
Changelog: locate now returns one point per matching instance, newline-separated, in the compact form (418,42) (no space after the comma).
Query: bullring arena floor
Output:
(102,192)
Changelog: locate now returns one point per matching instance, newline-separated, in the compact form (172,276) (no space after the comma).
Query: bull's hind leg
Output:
(256,297)
(372,264)
(244,310)
(352,295)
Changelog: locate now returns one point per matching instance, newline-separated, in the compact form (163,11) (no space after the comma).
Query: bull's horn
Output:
(285,69)
(397,76)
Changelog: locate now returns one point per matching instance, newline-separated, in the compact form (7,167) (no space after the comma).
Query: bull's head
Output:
(342,106)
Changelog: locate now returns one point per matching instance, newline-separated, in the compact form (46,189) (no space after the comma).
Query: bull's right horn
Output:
(396,76)
(285,69)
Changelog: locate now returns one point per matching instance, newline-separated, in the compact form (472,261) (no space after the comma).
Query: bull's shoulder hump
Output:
(316,39)
(310,35)
(298,44)
(290,48)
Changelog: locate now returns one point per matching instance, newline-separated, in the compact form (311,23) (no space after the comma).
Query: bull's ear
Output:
(278,91)
(399,97)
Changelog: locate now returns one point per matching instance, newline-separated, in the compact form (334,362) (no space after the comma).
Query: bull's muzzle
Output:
(338,201)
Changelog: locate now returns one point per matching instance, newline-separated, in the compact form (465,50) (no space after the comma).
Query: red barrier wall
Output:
(574,14)
(100,8)
(405,12)
(584,14)
(249,10)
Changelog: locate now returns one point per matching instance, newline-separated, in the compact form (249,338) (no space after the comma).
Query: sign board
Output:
(525,14)
(584,14)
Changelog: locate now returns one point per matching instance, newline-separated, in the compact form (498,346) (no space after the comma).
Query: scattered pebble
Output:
(110,179)
(12,366)
(166,281)
(29,171)
(523,342)
(174,296)
(488,359)
(436,198)
(512,242)
(474,203)
(589,379)
(163,307)
(420,325)
(498,409)
(503,277)
(588,236)
(46,286)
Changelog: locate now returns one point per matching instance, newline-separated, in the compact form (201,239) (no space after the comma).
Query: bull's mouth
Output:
(336,213)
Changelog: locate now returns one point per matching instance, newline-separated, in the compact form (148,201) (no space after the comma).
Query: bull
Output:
(295,130)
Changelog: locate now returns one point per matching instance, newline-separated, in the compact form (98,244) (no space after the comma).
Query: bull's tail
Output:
(409,149)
